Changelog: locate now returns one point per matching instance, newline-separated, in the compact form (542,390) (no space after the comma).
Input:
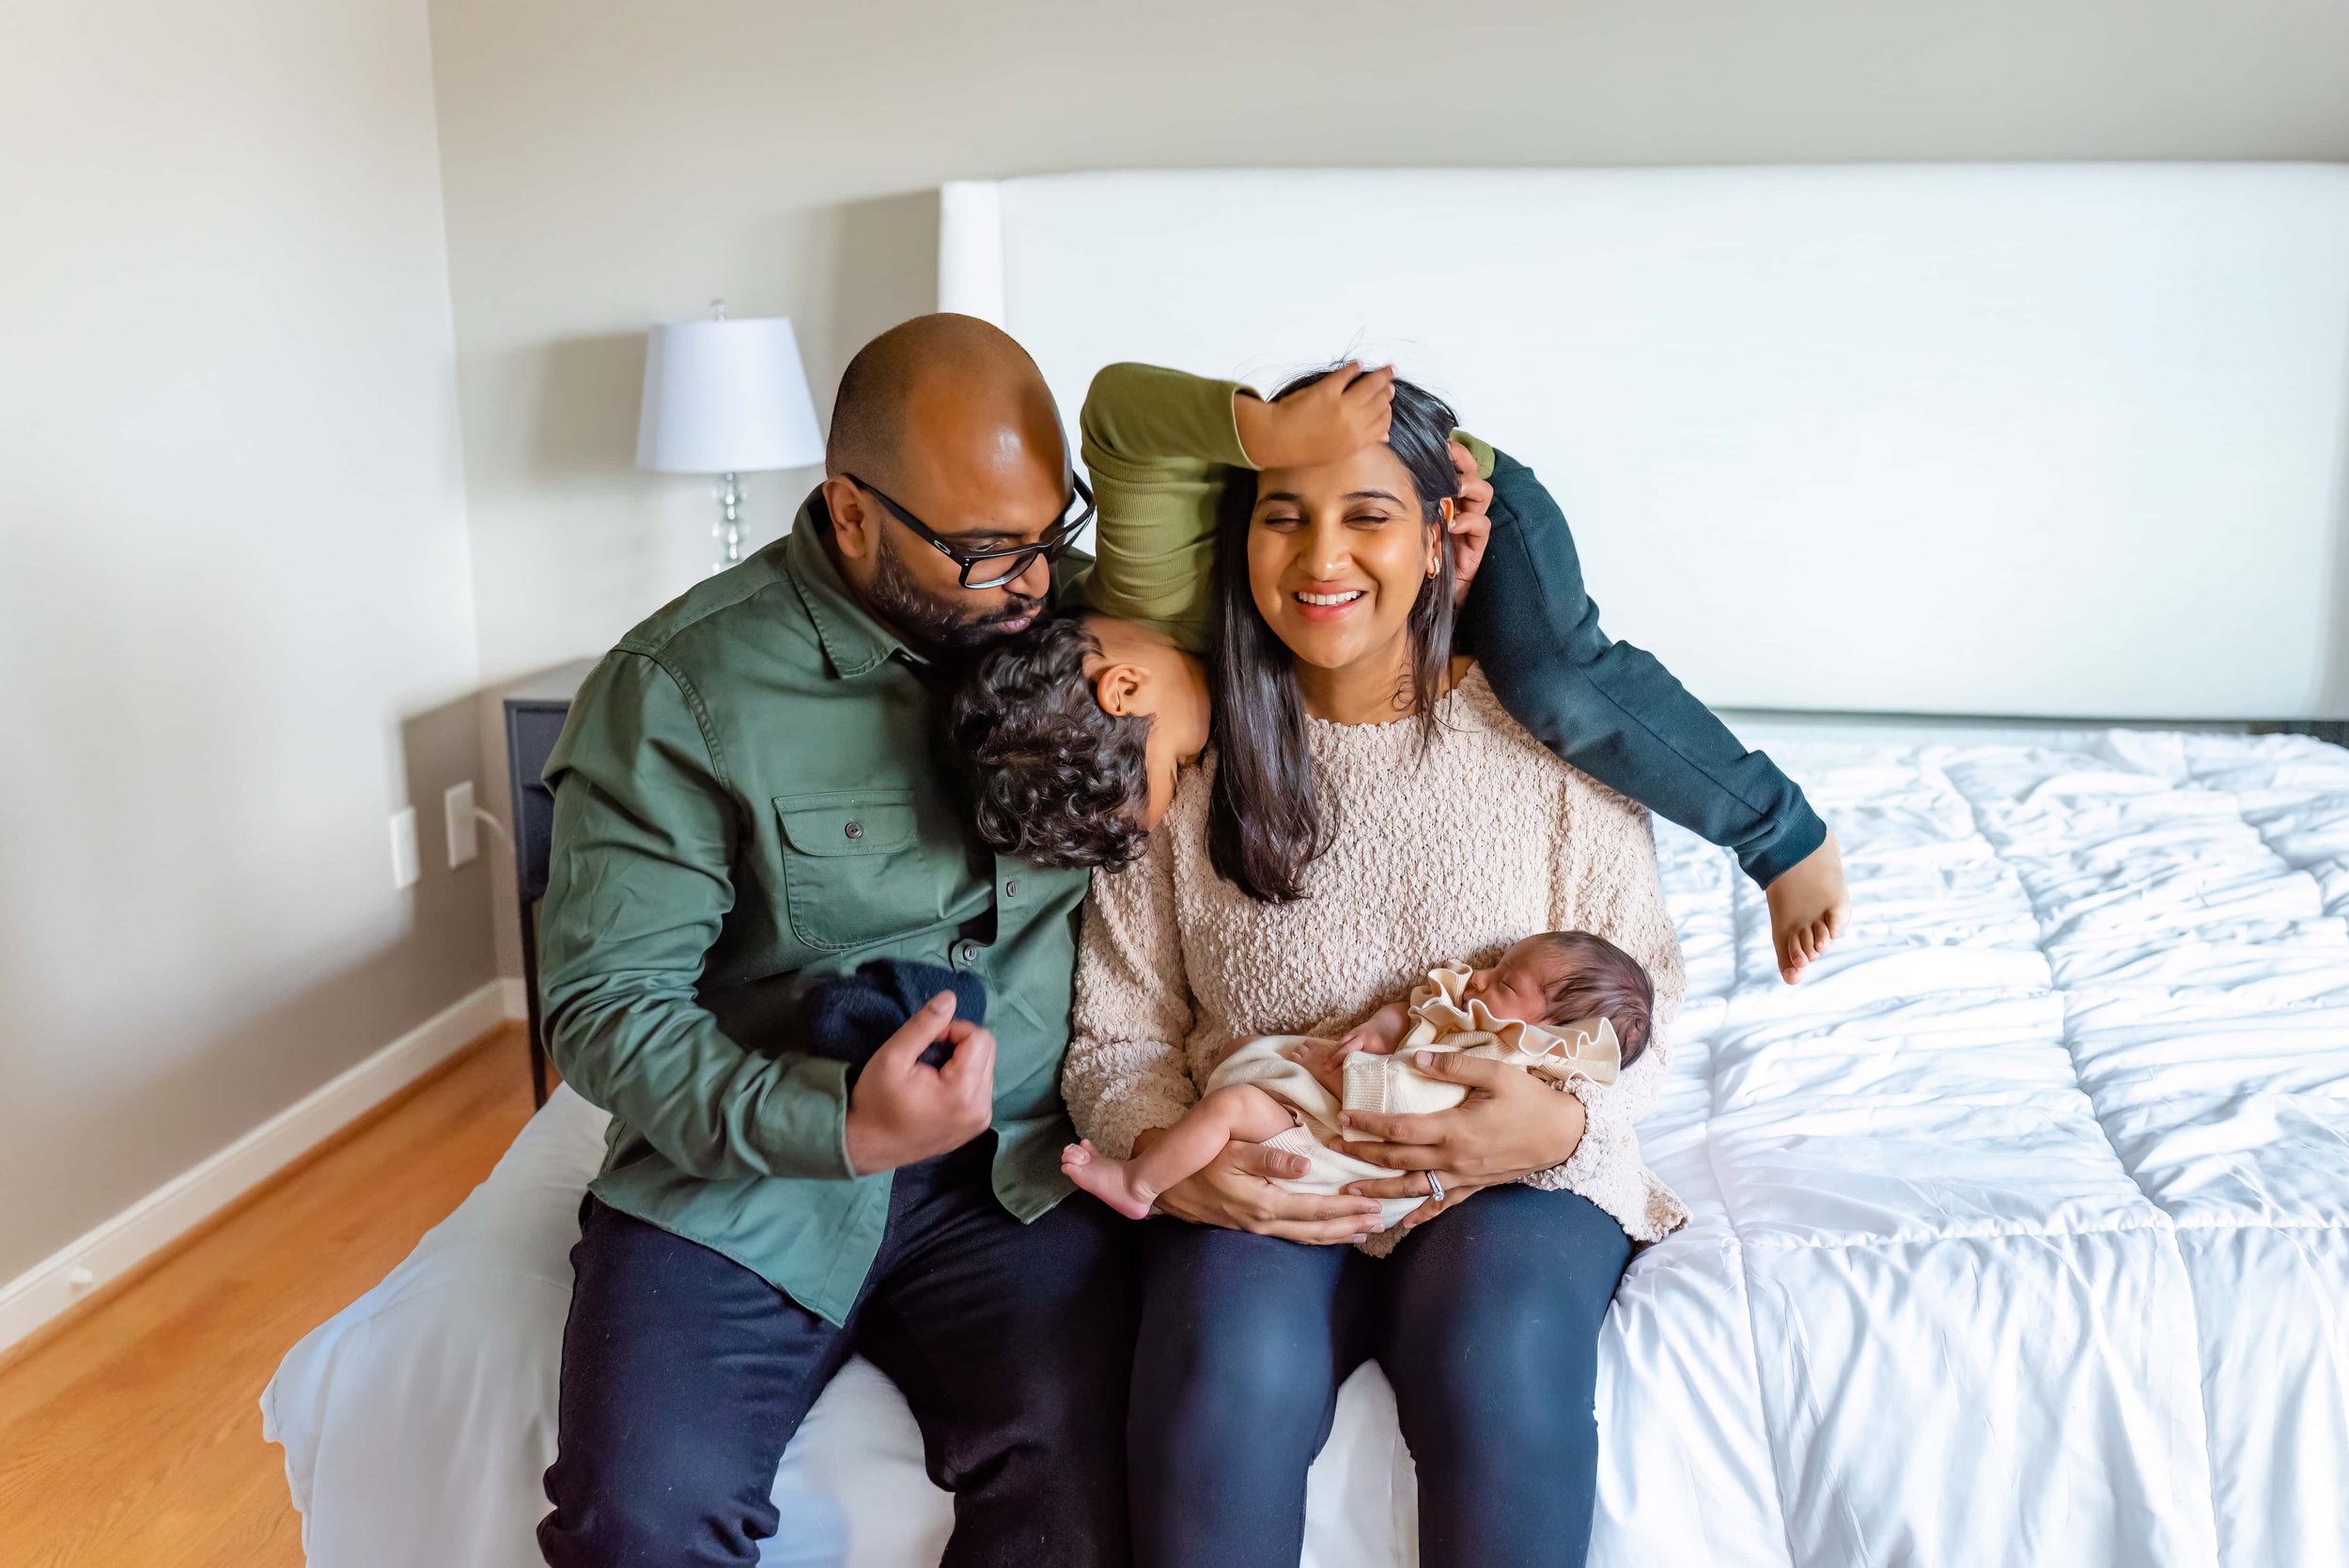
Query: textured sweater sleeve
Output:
(1126,1069)
(1606,883)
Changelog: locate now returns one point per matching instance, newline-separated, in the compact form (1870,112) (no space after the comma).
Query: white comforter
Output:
(2020,1239)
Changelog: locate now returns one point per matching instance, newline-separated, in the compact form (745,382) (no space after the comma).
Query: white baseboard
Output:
(76,1271)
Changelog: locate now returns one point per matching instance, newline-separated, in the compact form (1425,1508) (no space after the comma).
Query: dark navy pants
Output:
(1486,1320)
(1610,708)
(684,1374)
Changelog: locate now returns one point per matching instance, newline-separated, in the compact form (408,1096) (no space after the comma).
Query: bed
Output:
(2021,1237)
(2021,1227)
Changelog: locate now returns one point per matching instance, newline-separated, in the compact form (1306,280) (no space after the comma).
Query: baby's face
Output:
(1514,987)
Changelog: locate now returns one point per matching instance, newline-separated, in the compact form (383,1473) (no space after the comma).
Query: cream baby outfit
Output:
(1443,1019)
(1461,845)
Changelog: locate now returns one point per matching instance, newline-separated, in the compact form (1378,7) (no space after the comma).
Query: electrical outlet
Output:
(464,834)
(406,866)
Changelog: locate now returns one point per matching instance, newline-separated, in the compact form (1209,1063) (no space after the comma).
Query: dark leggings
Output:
(1485,1321)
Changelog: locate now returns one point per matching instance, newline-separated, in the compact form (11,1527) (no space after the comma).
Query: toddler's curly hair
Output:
(1053,779)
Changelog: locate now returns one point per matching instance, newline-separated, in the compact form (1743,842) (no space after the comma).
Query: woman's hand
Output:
(1337,416)
(1237,1191)
(1511,1125)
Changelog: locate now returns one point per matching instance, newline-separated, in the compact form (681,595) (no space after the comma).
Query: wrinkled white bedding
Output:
(2021,1237)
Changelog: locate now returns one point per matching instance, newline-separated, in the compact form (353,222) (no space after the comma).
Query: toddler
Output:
(1075,731)
(1562,1004)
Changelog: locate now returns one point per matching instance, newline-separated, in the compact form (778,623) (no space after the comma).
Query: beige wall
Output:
(608,164)
(235,581)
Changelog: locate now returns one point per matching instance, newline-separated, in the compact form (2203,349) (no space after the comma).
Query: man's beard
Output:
(932,623)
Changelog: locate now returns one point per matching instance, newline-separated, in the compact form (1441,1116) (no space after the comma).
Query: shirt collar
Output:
(855,644)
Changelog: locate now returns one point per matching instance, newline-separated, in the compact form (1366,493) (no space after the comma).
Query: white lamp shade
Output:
(726,398)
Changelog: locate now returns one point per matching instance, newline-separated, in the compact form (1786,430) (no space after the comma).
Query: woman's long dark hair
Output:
(1264,825)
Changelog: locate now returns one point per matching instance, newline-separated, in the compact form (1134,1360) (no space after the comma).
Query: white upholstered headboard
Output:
(2069,440)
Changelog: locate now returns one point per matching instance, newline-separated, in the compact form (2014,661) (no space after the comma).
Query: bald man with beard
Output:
(749,801)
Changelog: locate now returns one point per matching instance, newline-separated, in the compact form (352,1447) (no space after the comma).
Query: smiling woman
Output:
(1334,594)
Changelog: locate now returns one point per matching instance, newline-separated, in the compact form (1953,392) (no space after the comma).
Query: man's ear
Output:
(1122,689)
(853,521)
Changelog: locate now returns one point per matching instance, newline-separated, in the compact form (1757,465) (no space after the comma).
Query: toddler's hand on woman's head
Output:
(1335,417)
(1471,526)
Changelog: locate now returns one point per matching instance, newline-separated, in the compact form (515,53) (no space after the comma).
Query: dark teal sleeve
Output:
(1608,707)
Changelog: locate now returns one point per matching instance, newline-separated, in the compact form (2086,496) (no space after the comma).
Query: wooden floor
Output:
(130,1433)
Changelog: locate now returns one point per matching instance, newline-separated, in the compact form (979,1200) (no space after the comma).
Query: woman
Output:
(1368,809)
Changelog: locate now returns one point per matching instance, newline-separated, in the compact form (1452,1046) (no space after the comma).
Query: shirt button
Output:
(965,954)
(1011,889)
(854,829)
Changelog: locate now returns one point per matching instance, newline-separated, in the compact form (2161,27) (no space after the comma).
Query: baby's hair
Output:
(1590,977)
(1053,779)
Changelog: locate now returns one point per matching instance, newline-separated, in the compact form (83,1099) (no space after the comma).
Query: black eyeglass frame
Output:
(1052,547)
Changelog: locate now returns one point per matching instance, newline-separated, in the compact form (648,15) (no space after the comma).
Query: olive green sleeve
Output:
(640,878)
(1479,448)
(1159,445)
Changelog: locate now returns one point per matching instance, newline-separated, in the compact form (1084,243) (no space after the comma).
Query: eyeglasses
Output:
(996,567)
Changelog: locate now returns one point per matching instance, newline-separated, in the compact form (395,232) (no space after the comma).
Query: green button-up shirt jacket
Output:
(749,796)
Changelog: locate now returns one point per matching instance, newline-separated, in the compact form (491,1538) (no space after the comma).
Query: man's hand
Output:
(1809,905)
(1471,526)
(902,1110)
(1337,416)
(1237,1191)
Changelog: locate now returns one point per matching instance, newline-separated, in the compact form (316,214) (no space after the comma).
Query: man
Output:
(747,800)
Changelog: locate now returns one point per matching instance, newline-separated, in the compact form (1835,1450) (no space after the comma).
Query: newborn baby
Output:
(1562,1004)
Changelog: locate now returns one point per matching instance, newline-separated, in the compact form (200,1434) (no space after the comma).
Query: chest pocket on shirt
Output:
(854,870)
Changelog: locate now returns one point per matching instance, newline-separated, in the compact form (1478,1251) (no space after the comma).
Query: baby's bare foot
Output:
(1110,1180)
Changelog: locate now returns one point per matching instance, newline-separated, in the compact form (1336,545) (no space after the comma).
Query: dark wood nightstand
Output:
(535,712)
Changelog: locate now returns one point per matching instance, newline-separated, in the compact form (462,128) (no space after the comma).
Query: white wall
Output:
(608,164)
(242,610)
(235,581)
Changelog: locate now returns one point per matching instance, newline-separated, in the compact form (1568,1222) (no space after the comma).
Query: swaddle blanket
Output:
(1442,1022)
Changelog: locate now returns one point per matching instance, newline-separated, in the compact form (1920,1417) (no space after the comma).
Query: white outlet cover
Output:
(464,832)
(406,866)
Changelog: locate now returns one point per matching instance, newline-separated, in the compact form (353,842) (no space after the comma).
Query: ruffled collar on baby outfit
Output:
(1586,1047)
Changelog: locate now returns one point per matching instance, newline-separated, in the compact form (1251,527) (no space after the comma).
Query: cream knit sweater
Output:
(1453,854)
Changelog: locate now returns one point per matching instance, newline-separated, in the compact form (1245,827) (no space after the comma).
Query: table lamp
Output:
(726,398)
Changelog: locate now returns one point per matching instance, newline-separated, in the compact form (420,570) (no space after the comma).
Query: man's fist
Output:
(1337,416)
(903,1111)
